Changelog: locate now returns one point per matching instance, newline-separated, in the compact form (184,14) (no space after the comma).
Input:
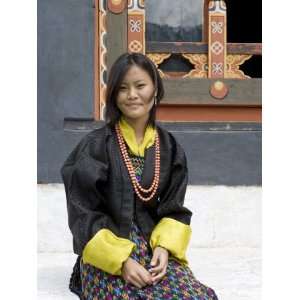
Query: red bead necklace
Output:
(140,191)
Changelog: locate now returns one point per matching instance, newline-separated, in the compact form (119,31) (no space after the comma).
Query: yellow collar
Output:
(130,138)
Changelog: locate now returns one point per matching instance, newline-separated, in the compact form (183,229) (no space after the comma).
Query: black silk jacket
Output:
(100,194)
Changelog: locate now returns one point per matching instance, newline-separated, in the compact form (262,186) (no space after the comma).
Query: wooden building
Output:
(208,53)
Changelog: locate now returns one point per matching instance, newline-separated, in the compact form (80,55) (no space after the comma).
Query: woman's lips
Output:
(133,105)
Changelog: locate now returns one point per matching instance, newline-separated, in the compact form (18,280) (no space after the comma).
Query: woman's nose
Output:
(132,93)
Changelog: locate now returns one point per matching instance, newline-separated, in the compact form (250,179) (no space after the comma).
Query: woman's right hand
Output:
(136,274)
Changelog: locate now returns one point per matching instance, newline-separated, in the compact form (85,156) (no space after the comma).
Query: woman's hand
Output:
(159,263)
(136,274)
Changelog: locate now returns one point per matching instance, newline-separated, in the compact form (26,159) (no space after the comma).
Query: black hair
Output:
(116,76)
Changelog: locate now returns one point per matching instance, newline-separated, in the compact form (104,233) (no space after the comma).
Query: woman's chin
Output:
(134,114)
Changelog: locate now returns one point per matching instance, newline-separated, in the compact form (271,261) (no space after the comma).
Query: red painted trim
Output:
(179,113)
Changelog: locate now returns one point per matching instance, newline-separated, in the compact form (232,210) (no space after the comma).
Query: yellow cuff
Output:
(172,235)
(107,252)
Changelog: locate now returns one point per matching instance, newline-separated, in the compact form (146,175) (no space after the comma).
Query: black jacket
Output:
(100,194)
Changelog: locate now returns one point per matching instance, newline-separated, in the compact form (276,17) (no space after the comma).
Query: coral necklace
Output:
(140,191)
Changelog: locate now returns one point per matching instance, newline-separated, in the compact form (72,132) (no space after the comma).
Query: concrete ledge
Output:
(225,216)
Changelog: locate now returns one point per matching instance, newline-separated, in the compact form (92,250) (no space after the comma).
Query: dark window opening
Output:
(176,63)
(244,21)
(244,25)
(253,67)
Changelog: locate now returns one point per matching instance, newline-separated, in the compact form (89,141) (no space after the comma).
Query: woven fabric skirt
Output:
(178,283)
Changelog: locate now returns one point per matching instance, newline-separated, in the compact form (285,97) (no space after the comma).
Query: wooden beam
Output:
(195,91)
(176,47)
(193,47)
(244,48)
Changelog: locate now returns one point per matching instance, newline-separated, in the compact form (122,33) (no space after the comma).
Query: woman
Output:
(125,186)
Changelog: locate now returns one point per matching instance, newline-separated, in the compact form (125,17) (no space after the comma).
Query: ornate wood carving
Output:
(102,67)
(233,62)
(200,65)
(158,58)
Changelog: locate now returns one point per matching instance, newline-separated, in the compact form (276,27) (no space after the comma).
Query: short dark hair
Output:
(116,76)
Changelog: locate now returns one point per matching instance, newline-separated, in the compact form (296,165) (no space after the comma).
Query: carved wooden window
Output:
(187,41)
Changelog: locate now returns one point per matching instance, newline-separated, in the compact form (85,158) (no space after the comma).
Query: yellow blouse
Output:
(130,138)
(108,252)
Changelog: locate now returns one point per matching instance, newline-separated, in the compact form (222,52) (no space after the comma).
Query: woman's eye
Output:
(122,88)
(140,85)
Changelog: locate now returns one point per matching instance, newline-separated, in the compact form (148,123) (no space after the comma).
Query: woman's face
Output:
(136,94)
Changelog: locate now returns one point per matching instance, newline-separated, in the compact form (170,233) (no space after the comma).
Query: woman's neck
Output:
(139,126)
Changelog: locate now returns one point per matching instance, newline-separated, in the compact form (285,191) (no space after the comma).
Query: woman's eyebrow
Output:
(137,81)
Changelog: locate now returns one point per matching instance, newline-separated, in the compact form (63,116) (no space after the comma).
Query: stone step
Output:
(224,252)
(234,273)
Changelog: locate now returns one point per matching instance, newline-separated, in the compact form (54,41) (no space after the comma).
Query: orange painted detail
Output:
(180,113)
(116,6)
(102,57)
(136,35)
(217,39)
(136,26)
(96,63)
(219,90)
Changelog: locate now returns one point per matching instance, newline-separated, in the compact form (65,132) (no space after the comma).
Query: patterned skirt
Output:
(178,283)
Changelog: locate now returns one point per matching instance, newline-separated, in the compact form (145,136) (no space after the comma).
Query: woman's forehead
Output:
(135,74)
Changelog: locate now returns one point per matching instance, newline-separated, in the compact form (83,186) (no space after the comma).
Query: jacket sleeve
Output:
(173,231)
(83,174)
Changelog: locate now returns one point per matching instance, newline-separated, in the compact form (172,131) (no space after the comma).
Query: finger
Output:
(159,276)
(136,281)
(160,258)
(154,260)
(133,282)
(142,282)
(136,284)
(157,269)
(145,276)
(157,266)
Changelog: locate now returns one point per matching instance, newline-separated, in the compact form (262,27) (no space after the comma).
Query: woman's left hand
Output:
(159,263)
